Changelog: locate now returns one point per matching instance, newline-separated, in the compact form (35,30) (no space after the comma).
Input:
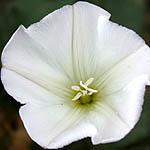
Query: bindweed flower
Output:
(78,75)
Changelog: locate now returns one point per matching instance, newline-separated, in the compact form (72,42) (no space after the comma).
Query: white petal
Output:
(126,71)
(99,44)
(54,33)
(118,113)
(25,64)
(85,38)
(128,101)
(24,90)
(110,127)
(55,126)
(70,34)
(115,43)
(24,53)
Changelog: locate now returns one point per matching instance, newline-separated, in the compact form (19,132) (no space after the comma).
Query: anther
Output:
(88,82)
(77,96)
(76,88)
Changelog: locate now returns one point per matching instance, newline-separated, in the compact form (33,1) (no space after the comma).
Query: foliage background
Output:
(134,14)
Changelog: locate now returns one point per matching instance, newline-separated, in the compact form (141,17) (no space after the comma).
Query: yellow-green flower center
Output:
(84,93)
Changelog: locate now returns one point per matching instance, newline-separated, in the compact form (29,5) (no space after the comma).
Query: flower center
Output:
(83,91)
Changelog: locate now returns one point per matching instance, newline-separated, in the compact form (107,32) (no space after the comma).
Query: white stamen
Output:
(86,91)
(78,95)
(82,85)
(89,81)
(76,88)
(92,90)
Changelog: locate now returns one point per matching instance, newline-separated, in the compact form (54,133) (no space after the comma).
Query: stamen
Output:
(86,91)
(89,81)
(92,90)
(79,94)
(76,88)
(82,85)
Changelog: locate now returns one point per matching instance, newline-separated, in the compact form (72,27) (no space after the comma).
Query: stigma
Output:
(83,89)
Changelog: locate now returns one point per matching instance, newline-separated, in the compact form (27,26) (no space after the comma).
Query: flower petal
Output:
(70,33)
(98,44)
(126,71)
(54,34)
(23,59)
(118,113)
(115,43)
(110,126)
(55,126)
(24,90)
(85,38)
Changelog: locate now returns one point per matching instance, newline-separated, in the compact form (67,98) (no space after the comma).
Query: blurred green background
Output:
(134,14)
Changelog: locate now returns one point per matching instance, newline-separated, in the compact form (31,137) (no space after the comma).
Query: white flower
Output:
(78,75)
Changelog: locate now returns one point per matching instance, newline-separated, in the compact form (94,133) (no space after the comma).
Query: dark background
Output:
(134,14)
